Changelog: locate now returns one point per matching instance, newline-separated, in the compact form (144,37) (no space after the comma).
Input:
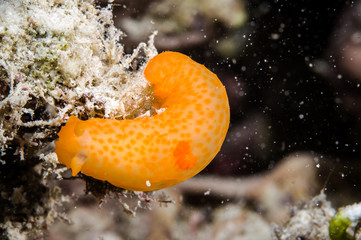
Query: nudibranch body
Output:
(150,153)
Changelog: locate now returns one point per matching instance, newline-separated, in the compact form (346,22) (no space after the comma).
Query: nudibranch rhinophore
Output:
(151,153)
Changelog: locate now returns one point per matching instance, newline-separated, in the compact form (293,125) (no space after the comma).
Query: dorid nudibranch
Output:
(150,153)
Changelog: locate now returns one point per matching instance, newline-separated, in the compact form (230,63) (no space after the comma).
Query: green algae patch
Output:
(338,227)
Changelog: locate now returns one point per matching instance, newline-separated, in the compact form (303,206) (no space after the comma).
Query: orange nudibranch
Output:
(151,153)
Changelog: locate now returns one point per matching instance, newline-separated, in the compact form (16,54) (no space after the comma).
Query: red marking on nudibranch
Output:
(183,154)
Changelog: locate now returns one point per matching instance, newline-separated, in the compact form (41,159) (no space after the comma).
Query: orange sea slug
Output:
(150,153)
